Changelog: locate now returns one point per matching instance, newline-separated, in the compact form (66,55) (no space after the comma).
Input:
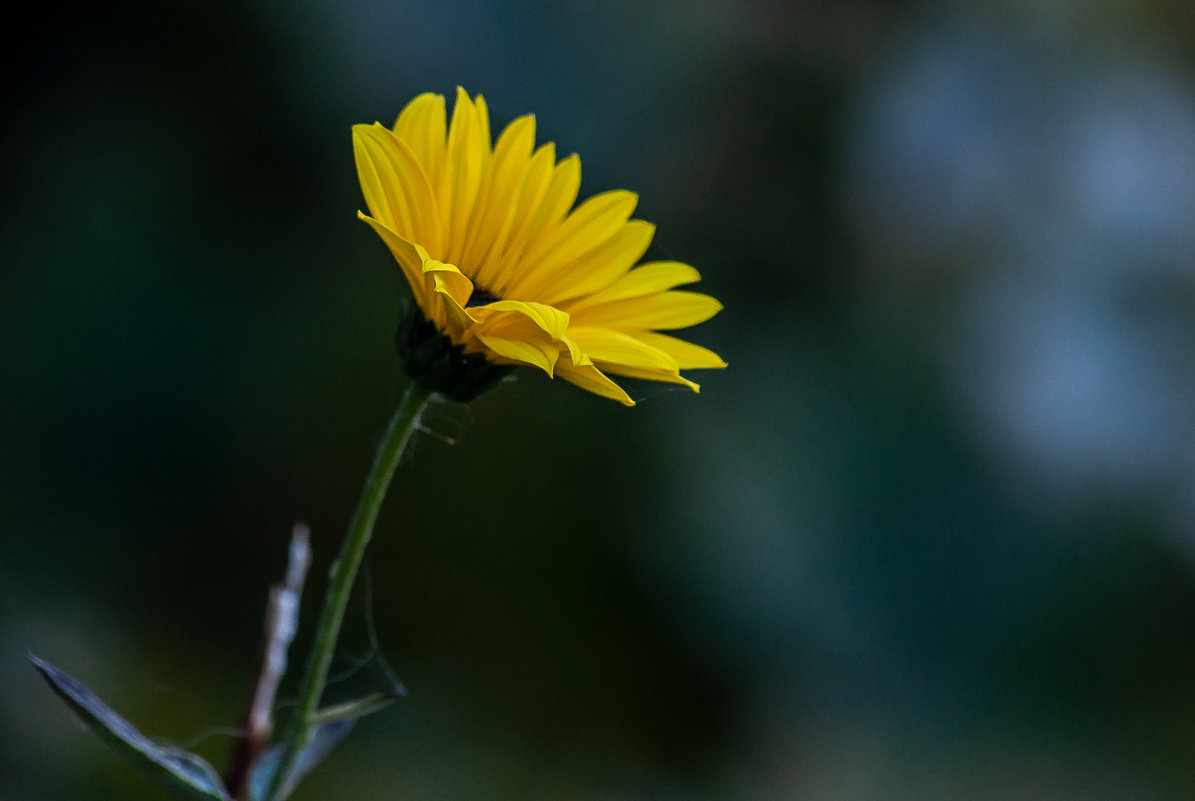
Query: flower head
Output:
(504,273)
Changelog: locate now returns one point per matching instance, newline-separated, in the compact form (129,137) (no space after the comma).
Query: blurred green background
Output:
(930,536)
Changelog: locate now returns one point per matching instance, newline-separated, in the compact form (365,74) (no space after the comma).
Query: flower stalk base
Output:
(343,574)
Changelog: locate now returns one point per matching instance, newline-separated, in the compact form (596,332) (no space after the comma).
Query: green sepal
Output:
(430,358)
(186,775)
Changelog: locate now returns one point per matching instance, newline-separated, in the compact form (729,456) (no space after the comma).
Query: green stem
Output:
(342,575)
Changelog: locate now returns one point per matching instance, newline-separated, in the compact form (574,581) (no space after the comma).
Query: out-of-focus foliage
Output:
(929,536)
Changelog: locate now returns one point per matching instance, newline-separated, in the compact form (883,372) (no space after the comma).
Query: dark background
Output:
(929,536)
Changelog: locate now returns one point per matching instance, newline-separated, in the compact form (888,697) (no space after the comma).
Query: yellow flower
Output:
(499,264)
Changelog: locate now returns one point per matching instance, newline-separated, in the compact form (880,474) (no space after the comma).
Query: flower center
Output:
(480,297)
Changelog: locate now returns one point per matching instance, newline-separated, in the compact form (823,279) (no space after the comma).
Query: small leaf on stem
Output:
(351,710)
(322,740)
(189,776)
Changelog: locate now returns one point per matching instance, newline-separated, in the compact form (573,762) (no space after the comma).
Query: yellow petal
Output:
(395,186)
(422,125)
(554,204)
(500,261)
(446,284)
(575,353)
(517,330)
(588,227)
(665,310)
(649,278)
(536,352)
(459,323)
(688,356)
(650,374)
(502,180)
(377,184)
(557,200)
(483,120)
(607,348)
(592,379)
(446,279)
(406,256)
(601,266)
(624,354)
(548,319)
(462,172)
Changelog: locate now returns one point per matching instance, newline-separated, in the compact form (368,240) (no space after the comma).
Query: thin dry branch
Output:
(282,621)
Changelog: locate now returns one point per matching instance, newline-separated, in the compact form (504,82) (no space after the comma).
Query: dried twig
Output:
(282,619)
